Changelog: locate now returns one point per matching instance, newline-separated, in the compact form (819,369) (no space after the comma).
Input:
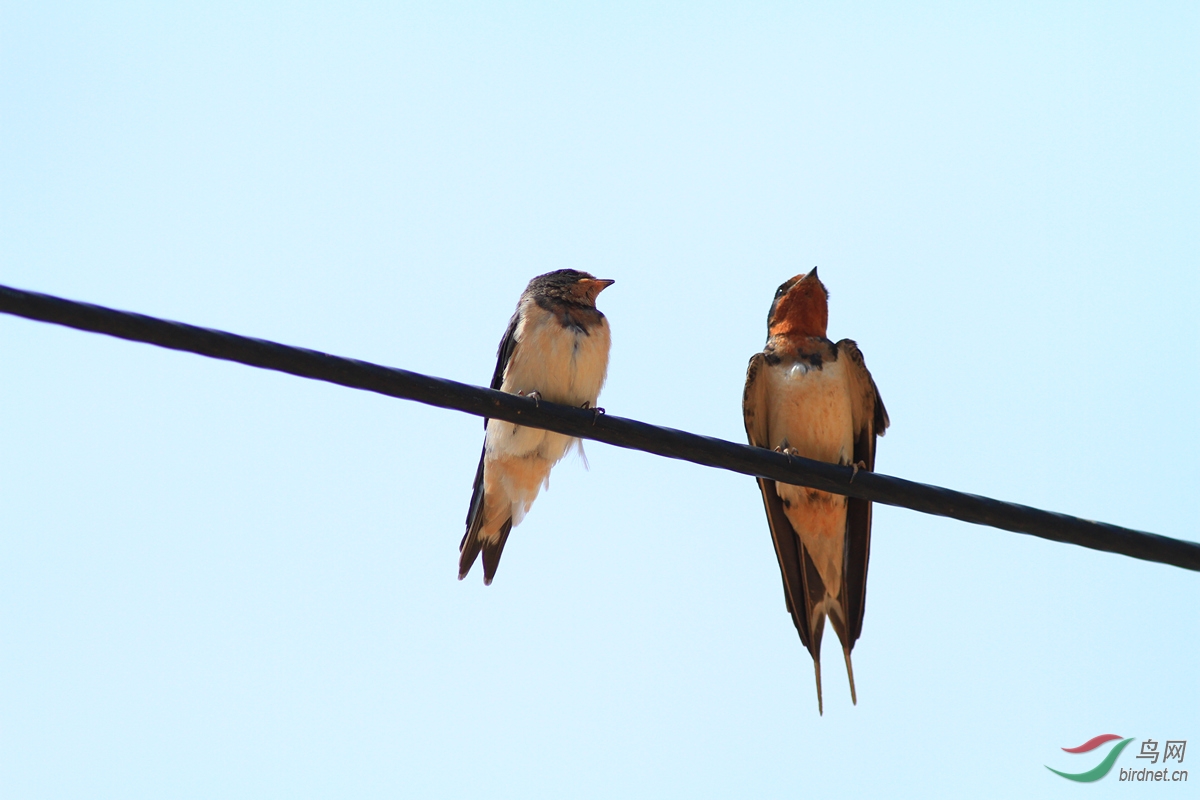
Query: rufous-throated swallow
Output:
(810,397)
(555,349)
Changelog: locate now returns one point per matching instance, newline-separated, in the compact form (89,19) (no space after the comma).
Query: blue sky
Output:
(216,581)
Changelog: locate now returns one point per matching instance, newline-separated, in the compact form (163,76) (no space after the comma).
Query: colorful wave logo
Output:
(1100,770)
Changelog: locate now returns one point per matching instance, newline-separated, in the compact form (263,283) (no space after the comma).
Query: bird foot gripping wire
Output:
(855,467)
(596,411)
(535,396)
(787,449)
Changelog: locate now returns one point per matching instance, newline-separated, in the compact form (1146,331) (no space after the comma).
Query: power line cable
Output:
(618,431)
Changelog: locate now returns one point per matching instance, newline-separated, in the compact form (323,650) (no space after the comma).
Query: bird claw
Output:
(855,467)
(596,410)
(535,396)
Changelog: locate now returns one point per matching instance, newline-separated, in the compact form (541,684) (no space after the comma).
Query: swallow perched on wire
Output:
(556,349)
(810,397)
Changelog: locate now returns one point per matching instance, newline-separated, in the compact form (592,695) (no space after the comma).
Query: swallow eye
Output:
(781,291)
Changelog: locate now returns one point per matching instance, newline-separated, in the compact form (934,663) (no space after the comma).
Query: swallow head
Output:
(569,286)
(800,308)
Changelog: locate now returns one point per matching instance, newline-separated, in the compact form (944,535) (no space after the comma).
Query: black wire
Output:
(612,430)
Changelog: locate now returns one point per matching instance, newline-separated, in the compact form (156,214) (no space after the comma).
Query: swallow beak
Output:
(812,274)
(597,285)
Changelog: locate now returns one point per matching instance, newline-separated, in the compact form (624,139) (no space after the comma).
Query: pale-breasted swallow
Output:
(555,349)
(808,396)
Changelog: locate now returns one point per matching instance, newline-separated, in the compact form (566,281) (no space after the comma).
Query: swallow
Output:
(556,349)
(807,396)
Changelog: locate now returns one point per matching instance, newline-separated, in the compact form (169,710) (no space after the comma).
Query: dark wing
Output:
(800,577)
(504,352)
(870,420)
(471,544)
(468,548)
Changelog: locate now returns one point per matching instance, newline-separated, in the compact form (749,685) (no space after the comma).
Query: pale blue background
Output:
(222,582)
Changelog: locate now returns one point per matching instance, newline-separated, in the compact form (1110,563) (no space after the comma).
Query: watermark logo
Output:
(1100,770)
(1172,749)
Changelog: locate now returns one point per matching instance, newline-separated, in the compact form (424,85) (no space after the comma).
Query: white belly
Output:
(810,410)
(564,366)
(810,414)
